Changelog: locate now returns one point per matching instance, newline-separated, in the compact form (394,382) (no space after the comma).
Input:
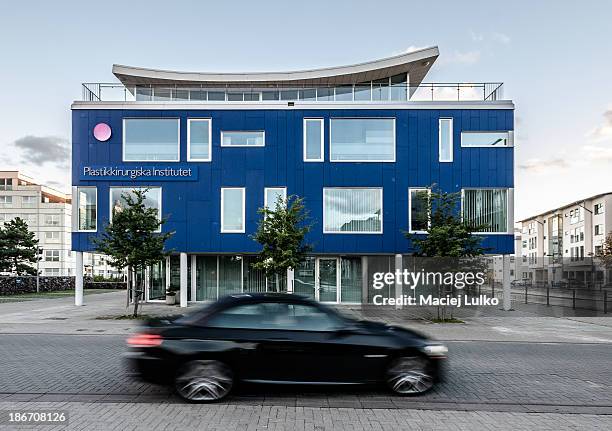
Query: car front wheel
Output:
(204,381)
(410,375)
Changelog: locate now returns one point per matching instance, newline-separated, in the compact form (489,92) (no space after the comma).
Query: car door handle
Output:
(279,339)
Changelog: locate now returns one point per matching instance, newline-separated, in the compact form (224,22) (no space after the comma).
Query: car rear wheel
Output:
(204,381)
(410,375)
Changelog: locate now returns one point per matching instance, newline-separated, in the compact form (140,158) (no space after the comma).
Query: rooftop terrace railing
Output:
(358,93)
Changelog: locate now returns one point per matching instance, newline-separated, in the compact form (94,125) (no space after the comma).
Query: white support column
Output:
(193,277)
(183,266)
(290,275)
(78,282)
(398,283)
(507,297)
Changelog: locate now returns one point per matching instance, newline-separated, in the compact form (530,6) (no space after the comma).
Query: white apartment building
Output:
(559,244)
(47,212)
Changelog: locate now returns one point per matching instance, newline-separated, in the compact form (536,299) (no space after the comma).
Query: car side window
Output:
(275,315)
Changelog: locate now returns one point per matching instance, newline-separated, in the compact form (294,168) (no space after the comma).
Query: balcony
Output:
(358,93)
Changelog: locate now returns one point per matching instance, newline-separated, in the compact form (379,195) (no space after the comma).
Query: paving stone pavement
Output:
(224,417)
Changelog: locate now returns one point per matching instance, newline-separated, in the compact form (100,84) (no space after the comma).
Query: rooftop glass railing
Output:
(358,93)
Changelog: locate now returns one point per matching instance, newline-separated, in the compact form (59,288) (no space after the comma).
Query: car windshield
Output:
(276,315)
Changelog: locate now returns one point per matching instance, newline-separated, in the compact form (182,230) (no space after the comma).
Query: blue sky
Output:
(555,58)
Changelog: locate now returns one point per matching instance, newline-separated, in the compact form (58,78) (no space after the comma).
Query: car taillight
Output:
(144,340)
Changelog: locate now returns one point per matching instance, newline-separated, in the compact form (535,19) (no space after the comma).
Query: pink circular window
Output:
(102,132)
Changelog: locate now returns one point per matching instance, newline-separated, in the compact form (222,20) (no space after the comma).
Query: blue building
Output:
(362,144)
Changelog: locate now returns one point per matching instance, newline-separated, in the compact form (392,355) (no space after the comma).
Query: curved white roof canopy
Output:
(416,64)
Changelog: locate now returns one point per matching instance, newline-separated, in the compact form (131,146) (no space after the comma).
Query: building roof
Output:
(565,206)
(415,63)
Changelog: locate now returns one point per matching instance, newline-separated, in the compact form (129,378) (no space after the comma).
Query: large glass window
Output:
(206,278)
(313,140)
(232,210)
(199,139)
(117,199)
(243,139)
(87,203)
(418,201)
(486,210)
(273,195)
(230,275)
(357,210)
(485,139)
(350,279)
(445,144)
(362,139)
(155,139)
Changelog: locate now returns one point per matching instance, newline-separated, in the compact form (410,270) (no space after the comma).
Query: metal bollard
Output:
(574,299)
(548,296)
(605,302)
(526,294)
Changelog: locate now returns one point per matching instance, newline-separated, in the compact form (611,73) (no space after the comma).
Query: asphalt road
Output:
(494,376)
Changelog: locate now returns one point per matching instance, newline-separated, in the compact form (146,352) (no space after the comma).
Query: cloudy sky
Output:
(555,58)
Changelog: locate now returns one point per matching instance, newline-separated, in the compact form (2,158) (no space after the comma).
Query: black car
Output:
(279,338)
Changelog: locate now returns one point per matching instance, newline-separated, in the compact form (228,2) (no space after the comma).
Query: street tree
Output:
(133,239)
(18,248)
(281,232)
(448,239)
(605,253)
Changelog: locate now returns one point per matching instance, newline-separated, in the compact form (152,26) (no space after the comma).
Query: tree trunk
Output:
(135,294)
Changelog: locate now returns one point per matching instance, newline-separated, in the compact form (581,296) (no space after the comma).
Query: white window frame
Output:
(509,138)
(322,152)
(52,253)
(382,211)
(52,217)
(78,208)
(178,121)
(56,271)
(110,200)
(451,143)
(263,135)
(410,190)
(284,189)
(53,237)
(189,121)
(508,214)
(364,161)
(243,229)
(6,200)
(28,200)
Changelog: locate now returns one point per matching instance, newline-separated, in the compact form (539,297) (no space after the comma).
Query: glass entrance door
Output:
(327,289)
(304,279)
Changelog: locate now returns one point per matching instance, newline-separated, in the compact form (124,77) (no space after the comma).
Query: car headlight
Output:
(435,350)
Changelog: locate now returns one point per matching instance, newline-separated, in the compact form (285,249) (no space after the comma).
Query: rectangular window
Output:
(199,139)
(6,200)
(52,255)
(485,139)
(87,207)
(6,184)
(313,140)
(28,200)
(272,196)
(30,219)
(117,198)
(362,139)
(599,229)
(52,236)
(243,139)
(151,139)
(418,204)
(486,210)
(53,272)
(445,139)
(232,210)
(352,210)
(52,219)
(599,208)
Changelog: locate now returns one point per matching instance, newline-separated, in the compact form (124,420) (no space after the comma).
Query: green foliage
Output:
(133,239)
(18,248)
(605,254)
(281,233)
(447,234)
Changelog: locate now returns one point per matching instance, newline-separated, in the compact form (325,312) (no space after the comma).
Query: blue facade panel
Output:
(193,207)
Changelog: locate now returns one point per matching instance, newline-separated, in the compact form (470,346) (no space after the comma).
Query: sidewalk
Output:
(60,316)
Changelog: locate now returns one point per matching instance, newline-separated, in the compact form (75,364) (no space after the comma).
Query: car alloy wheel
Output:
(410,375)
(204,380)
